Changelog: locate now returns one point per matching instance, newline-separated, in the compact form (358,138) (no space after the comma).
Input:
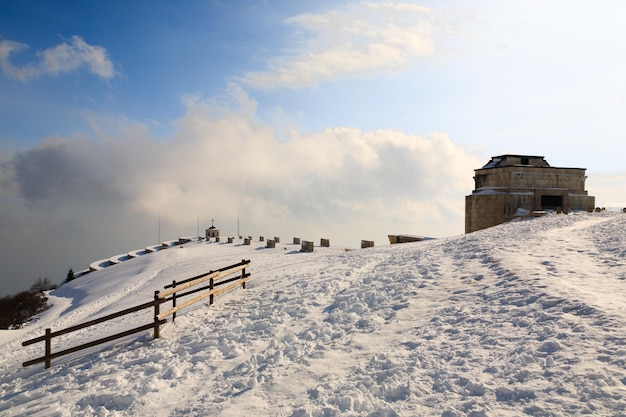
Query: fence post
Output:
(157,304)
(48,348)
(243,275)
(174,301)
(211,289)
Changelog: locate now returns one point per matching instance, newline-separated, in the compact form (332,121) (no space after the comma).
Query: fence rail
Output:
(215,278)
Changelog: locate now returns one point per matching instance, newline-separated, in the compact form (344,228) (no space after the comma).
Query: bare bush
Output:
(41,285)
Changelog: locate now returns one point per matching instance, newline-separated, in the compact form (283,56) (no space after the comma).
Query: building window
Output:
(525,161)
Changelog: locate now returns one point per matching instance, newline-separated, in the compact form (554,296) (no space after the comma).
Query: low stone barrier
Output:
(307,246)
(367,244)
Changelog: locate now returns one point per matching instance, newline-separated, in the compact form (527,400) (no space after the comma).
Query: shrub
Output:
(41,285)
(15,310)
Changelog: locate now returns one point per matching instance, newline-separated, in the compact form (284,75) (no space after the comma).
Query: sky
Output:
(122,123)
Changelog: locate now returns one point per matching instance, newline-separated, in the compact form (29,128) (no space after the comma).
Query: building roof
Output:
(513,160)
(500,160)
(511,155)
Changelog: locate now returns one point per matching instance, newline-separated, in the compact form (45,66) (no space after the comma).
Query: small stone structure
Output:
(511,186)
(395,239)
(325,243)
(307,246)
(246,241)
(270,243)
(296,240)
(276,239)
(230,240)
(211,232)
(261,239)
(367,244)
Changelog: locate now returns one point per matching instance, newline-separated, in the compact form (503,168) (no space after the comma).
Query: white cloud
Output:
(361,39)
(74,200)
(65,57)
(223,162)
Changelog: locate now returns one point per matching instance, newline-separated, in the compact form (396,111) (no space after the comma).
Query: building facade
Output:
(511,186)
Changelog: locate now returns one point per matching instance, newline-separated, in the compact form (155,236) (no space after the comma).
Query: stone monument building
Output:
(212,232)
(511,186)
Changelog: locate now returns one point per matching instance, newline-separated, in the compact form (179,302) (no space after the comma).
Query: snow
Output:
(490,190)
(525,318)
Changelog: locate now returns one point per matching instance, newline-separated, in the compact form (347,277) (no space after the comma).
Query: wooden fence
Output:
(216,286)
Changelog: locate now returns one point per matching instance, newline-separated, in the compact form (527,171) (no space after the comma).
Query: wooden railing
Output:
(216,286)
(214,278)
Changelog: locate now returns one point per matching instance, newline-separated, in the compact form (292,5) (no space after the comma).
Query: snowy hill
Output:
(526,318)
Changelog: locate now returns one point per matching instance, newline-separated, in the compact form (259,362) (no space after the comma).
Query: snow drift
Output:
(526,318)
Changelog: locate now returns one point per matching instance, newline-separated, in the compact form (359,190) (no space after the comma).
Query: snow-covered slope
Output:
(527,318)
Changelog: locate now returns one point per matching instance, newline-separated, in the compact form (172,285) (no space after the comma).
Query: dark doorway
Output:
(551,201)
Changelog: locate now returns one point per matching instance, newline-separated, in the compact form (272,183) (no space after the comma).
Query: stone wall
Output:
(524,178)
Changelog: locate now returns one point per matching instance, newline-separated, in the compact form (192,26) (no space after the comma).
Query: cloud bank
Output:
(71,201)
(224,162)
(359,40)
(65,57)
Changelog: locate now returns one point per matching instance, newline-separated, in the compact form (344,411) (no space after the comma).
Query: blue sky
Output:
(347,120)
